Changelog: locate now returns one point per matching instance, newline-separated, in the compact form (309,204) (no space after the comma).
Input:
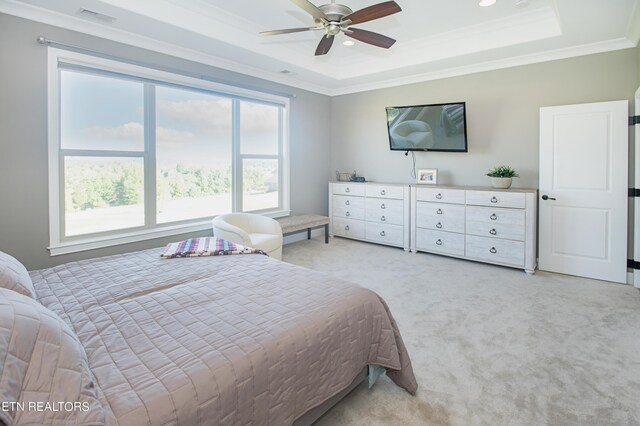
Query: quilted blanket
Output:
(206,246)
(231,340)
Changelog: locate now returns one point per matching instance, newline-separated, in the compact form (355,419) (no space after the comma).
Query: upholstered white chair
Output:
(251,230)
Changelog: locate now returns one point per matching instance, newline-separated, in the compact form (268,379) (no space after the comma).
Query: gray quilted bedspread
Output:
(232,340)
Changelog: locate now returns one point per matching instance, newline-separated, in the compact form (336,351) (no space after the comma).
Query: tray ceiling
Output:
(435,38)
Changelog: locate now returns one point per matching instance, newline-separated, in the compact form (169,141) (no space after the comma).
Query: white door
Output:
(583,190)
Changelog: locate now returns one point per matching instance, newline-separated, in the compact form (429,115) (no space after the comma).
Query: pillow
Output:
(14,276)
(44,373)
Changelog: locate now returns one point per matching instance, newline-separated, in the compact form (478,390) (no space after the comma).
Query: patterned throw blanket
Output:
(208,246)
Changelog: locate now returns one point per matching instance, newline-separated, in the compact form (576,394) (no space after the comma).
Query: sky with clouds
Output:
(191,127)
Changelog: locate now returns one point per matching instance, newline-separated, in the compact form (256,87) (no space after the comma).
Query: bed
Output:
(234,340)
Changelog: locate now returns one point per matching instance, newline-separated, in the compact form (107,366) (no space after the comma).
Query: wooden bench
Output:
(293,224)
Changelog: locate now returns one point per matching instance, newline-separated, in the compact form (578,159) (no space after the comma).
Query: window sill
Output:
(58,249)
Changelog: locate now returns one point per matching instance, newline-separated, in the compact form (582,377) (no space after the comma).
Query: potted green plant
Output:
(502,176)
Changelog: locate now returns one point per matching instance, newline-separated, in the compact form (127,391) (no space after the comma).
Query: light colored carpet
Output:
(491,345)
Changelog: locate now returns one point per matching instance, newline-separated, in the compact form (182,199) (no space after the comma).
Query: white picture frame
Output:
(427,177)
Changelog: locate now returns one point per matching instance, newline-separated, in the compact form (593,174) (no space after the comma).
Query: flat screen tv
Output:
(436,127)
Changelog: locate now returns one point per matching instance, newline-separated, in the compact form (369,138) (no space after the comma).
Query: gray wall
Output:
(24,224)
(502,117)
(502,109)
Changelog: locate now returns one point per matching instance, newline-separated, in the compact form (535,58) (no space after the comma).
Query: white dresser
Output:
(370,211)
(482,224)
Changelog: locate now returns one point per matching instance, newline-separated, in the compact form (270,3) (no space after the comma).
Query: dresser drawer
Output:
(384,233)
(383,210)
(349,207)
(495,215)
(495,250)
(496,230)
(446,217)
(440,195)
(496,222)
(383,191)
(439,241)
(348,228)
(515,200)
(348,189)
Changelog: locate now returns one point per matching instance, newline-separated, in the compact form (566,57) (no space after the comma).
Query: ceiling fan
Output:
(335,18)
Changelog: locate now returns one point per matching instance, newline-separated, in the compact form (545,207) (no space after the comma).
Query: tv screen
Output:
(437,127)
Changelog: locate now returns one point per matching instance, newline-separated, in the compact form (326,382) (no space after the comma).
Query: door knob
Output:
(546,197)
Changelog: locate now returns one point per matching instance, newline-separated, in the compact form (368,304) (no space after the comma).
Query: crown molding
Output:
(570,52)
(26,11)
(633,30)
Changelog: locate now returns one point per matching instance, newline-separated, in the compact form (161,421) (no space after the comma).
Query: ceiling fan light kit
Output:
(336,18)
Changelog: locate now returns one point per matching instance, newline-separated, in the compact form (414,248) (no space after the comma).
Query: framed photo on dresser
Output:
(427,176)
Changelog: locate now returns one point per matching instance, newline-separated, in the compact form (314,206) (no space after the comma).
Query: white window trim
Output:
(56,56)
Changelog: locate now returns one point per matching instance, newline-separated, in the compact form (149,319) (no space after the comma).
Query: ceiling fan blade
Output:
(325,45)
(311,9)
(370,13)
(287,31)
(370,37)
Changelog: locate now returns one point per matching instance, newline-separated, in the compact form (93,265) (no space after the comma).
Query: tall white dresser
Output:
(483,224)
(370,211)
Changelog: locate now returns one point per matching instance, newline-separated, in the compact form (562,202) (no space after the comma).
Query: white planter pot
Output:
(502,183)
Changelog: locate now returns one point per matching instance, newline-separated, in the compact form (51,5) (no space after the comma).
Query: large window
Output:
(137,153)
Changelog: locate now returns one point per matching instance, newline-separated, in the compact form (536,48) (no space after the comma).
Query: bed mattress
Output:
(234,340)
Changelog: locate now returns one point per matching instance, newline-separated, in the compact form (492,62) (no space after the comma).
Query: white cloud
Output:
(200,114)
(172,135)
(256,118)
(128,131)
(135,132)
(210,116)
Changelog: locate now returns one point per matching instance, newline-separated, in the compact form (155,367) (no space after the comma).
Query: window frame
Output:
(60,244)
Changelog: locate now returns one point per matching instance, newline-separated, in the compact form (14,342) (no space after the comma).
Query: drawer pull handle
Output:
(382,233)
(493,216)
(348,213)
(439,211)
(439,225)
(439,242)
(494,200)
(493,232)
(383,218)
(439,196)
(493,250)
(383,192)
(346,228)
(382,206)
(347,189)
(346,203)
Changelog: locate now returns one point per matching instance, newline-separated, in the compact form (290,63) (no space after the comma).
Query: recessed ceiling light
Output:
(485,3)
(348,43)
